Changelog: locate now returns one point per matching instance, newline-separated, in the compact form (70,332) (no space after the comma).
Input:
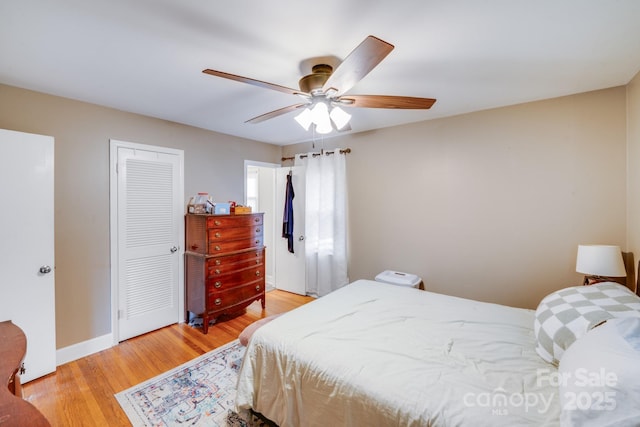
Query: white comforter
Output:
(372,354)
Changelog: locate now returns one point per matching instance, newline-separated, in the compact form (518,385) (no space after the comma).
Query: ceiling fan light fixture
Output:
(324,127)
(304,119)
(319,112)
(340,117)
(320,116)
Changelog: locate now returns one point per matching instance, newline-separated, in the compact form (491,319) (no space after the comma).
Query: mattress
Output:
(376,354)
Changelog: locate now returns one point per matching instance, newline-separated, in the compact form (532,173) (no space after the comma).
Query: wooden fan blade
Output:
(385,101)
(254,82)
(275,113)
(358,64)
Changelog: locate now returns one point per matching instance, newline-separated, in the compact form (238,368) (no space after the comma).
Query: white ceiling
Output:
(146,56)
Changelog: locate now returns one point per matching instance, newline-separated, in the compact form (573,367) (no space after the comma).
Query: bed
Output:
(377,354)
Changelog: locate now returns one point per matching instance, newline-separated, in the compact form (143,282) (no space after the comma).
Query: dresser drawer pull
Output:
(217,248)
(256,219)
(218,262)
(217,284)
(258,273)
(217,271)
(257,230)
(217,222)
(217,234)
(257,261)
(257,287)
(257,242)
(218,301)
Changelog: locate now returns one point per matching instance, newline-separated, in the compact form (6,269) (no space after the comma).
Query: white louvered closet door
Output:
(150,211)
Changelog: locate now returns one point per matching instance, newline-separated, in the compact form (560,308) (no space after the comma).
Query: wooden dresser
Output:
(14,411)
(224,264)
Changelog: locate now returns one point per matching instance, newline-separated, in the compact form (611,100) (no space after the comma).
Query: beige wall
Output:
(213,163)
(633,164)
(489,205)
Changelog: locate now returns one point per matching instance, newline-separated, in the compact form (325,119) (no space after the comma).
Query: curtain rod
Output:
(345,151)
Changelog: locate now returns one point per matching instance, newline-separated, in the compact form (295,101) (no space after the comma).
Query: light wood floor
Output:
(81,393)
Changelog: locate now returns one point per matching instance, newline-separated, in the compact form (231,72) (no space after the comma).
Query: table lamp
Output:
(599,262)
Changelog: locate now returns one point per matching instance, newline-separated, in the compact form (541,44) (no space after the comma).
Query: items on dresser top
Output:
(224,264)
(199,204)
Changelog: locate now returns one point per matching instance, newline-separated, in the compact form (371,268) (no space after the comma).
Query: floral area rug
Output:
(200,392)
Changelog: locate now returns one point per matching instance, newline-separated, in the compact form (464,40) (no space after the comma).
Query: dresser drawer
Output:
(201,230)
(235,278)
(226,221)
(221,234)
(235,245)
(221,299)
(217,266)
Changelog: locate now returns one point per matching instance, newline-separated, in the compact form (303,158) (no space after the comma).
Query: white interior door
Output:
(150,232)
(27,272)
(291,267)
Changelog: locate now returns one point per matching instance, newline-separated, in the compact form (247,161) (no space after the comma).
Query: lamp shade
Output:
(304,118)
(340,117)
(600,260)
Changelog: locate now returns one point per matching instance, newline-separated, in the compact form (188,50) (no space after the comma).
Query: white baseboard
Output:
(83,349)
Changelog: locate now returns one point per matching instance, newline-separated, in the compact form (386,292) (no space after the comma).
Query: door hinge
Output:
(120,314)
(116,167)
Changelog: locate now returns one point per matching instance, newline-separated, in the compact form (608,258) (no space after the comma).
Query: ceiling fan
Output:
(323,91)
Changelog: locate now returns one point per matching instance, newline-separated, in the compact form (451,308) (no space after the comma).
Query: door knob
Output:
(301,238)
(45,269)
(173,249)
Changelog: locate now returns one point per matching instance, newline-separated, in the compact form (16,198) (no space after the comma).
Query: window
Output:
(253,187)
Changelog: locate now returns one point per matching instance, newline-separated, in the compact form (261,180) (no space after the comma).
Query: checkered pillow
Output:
(565,315)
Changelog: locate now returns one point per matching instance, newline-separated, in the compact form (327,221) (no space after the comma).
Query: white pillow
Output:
(599,376)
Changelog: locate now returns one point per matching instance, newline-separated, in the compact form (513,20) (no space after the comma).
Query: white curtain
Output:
(325,222)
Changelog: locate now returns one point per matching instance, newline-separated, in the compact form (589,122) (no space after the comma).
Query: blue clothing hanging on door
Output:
(287,219)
